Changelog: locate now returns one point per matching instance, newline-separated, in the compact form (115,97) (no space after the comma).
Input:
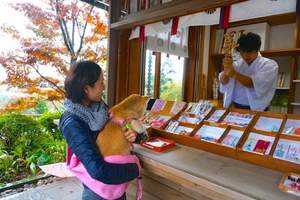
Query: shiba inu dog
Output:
(125,115)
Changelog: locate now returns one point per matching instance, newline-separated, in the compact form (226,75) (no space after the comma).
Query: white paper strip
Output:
(240,11)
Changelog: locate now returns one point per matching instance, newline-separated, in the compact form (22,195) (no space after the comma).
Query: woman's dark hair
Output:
(81,74)
(248,42)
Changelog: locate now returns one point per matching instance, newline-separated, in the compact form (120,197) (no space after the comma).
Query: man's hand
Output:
(224,78)
(130,135)
(229,72)
(228,66)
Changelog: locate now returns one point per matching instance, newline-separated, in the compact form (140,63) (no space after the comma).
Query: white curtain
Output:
(164,42)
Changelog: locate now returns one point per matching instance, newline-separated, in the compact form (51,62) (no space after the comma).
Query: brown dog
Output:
(111,139)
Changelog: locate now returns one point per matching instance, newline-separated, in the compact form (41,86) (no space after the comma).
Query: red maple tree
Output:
(62,33)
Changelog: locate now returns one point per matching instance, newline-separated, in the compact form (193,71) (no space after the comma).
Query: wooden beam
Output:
(123,66)
(213,66)
(194,183)
(190,67)
(271,53)
(113,37)
(294,64)
(297,33)
(273,20)
(199,93)
(169,10)
(134,67)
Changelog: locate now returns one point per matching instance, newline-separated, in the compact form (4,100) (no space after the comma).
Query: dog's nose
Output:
(142,137)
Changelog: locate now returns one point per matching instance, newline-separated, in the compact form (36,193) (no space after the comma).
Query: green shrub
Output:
(7,169)
(41,107)
(16,128)
(25,144)
(46,120)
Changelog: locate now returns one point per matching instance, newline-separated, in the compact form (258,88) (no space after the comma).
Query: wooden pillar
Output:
(193,67)
(135,66)
(189,80)
(113,40)
(122,70)
(294,64)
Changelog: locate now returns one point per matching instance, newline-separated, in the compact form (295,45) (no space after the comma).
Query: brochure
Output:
(210,133)
(257,143)
(232,138)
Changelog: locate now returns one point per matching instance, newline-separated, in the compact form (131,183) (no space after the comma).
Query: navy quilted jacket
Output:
(82,141)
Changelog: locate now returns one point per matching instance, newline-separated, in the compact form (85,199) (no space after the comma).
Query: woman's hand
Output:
(130,135)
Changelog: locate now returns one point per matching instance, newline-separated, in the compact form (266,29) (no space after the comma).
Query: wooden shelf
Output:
(272,53)
(167,11)
(295,104)
(282,88)
(281,52)
(273,20)
(296,81)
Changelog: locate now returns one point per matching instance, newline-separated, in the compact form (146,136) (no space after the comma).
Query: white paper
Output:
(252,140)
(268,124)
(290,126)
(183,130)
(288,150)
(157,143)
(238,119)
(210,133)
(232,138)
(216,115)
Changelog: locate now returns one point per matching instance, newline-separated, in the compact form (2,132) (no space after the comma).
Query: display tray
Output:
(292,126)
(257,147)
(195,141)
(287,150)
(240,134)
(158,144)
(290,183)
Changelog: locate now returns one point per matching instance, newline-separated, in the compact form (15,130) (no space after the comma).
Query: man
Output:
(250,82)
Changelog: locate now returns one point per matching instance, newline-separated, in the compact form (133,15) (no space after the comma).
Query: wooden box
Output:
(284,165)
(265,128)
(262,158)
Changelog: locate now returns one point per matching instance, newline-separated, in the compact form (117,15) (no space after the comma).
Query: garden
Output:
(27,142)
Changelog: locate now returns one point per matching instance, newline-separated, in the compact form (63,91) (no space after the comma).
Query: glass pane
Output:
(149,74)
(171,77)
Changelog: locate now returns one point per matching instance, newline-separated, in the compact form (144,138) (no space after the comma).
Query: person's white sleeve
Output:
(225,87)
(264,79)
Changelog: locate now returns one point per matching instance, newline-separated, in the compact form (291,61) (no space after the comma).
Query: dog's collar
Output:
(123,123)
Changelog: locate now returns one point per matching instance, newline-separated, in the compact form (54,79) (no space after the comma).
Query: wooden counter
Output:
(213,176)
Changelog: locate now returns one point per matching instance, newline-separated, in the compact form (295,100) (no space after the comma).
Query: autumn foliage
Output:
(62,33)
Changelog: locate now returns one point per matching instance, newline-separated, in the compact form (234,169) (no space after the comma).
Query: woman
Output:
(84,117)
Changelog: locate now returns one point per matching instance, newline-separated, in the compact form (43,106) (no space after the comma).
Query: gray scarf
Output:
(94,115)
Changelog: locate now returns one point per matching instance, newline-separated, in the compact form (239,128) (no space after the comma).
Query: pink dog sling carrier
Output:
(104,190)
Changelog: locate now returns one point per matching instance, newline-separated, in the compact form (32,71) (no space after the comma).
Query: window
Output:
(164,76)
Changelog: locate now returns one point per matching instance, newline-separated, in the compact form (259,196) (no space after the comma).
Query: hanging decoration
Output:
(298,7)
(142,33)
(224,16)
(174,27)
(170,44)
